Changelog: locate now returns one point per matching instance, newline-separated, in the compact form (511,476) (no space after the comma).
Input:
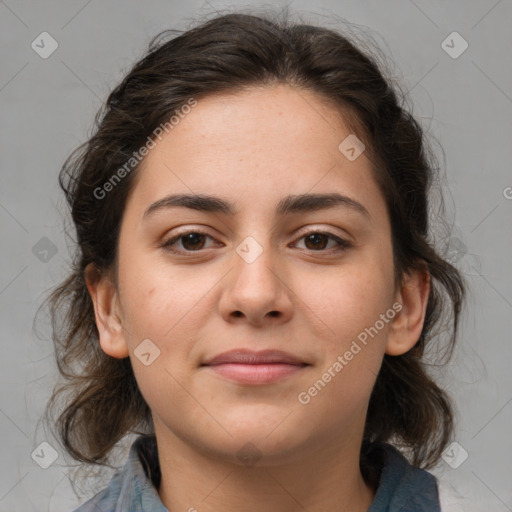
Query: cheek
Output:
(351,300)
(354,342)
(163,309)
(353,345)
(157,298)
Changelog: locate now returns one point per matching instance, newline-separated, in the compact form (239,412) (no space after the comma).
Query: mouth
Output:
(255,368)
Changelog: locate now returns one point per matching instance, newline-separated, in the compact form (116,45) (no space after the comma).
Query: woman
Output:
(254,284)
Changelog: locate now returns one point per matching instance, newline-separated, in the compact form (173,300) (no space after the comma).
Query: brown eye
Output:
(189,242)
(192,241)
(318,241)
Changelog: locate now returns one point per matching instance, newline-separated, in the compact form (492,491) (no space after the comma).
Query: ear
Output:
(407,324)
(107,312)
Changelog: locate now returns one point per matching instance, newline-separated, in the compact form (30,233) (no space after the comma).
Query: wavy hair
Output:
(99,399)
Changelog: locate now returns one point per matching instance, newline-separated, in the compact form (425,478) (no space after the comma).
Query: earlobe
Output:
(106,310)
(406,327)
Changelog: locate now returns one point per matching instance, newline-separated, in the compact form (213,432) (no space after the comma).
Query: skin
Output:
(254,148)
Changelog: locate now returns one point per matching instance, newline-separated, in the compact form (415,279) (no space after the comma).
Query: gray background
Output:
(47,108)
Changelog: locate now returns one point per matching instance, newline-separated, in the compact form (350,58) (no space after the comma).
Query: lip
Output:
(244,356)
(255,368)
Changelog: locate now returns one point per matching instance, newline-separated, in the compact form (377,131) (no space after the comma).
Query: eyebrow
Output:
(290,204)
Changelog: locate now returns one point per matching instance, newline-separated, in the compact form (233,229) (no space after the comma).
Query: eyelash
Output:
(342,243)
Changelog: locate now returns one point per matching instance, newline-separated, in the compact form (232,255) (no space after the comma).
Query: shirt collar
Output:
(401,486)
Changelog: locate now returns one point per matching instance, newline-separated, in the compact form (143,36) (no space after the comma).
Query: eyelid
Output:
(176,236)
(343,242)
(330,231)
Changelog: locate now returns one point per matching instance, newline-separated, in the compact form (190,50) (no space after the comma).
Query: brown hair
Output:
(226,54)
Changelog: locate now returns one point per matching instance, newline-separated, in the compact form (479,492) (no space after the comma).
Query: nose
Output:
(257,291)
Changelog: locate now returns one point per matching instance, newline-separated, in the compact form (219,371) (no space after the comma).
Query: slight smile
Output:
(255,368)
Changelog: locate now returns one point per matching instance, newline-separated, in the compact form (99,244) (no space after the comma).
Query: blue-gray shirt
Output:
(133,488)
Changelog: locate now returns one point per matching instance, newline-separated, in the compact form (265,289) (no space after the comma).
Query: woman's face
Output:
(262,269)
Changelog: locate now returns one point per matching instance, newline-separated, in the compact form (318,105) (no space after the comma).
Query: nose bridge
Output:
(256,267)
(255,288)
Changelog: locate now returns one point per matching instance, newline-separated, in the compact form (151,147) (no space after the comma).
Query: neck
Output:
(324,477)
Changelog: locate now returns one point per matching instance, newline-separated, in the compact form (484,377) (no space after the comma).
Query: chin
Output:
(263,441)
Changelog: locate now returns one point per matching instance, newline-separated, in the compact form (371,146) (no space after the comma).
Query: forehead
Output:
(256,147)
(273,117)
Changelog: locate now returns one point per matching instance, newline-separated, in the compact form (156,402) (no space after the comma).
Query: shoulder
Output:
(401,486)
(132,486)
(404,487)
